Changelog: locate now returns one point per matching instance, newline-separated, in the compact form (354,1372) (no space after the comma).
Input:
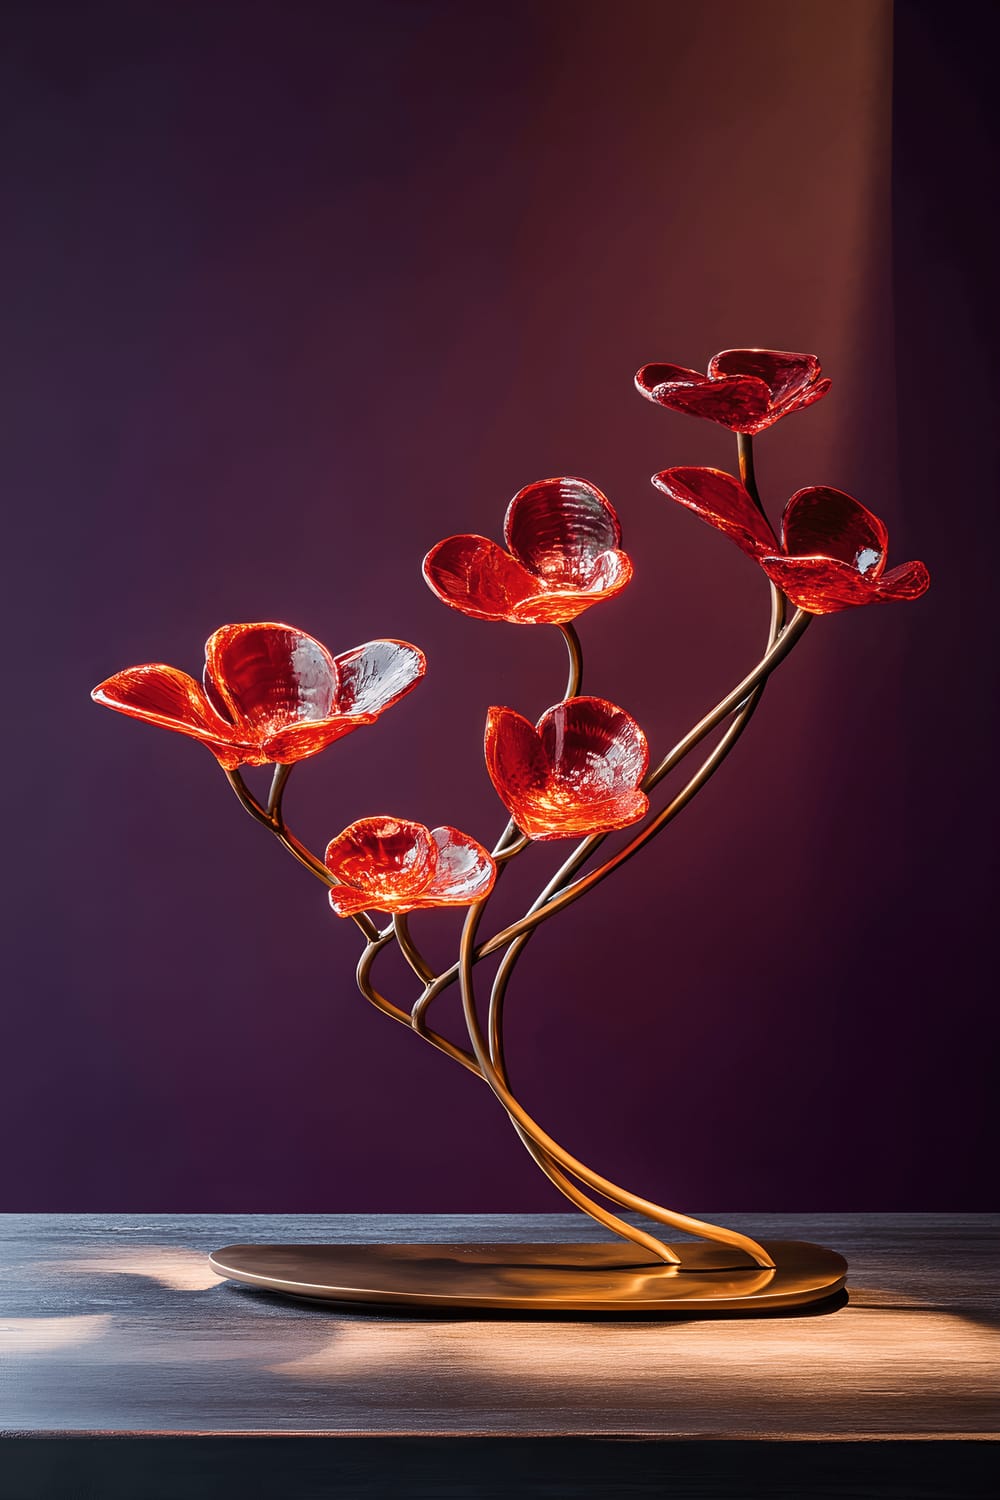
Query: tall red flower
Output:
(564,555)
(578,771)
(746,390)
(832,550)
(391,865)
(269,693)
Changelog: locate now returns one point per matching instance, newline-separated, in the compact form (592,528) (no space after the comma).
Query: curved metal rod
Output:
(575,680)
(410,951)
(593,1180)
(748,479)
(567,894)
(387,1008)
(541,1158)
(773,656)
(274,822)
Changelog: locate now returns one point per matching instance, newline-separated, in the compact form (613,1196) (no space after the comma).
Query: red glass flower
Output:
(832,550)
(578,771)
(746,390)
(270,693)
(564,555)
(392,865)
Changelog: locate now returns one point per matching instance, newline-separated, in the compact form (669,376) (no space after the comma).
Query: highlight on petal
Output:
(477,577)
(373,677)
(269,675)
(723,502)
(820,522)
(395,865)
(560,529)
(163,695)
(594,747)
(465,871)
(578,772)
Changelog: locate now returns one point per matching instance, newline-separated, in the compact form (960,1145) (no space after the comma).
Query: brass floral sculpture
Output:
(271,694)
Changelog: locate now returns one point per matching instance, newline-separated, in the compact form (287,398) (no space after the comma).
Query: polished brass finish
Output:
(594,1278)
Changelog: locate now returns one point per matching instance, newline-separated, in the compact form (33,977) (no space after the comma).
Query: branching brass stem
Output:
(272,819)
(570,1163)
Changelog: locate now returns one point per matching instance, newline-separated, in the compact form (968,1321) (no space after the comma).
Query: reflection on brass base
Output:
(613,1277)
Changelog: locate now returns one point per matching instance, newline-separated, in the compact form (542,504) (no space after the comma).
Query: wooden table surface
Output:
(114,1325)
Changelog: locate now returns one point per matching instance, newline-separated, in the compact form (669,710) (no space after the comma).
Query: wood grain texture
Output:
(115,1325)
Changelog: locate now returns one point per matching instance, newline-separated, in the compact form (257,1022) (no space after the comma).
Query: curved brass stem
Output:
(410,951)
(387,1008)
(272,819)
(591,1179)
(748,479)
(574,682)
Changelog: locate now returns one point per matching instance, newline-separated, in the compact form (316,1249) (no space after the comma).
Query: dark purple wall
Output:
(293,291)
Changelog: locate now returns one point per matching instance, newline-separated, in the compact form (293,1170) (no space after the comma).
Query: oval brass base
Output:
(610,1277)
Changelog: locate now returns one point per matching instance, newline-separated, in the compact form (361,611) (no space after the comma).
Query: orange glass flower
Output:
(564,541)
(578,771)
(746,390)
(392,865)
(269,693)
(832,550)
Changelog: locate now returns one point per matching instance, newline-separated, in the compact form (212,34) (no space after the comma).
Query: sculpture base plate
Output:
(614,1277)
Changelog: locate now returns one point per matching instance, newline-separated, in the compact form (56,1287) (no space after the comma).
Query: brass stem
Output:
(748,479)
(551,1147)
(274,821)
(574,682)
(410,951)
(367,959)
(556,894)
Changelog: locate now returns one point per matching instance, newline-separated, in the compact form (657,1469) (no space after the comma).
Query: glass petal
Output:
(787,376)
(379,862)
(721,501)
(650,376)
(465,872)
(476,576)
(373,677)
(514,756)
(908,581)
(611,572)
(741,403)
(299,741)
(165,696)
(594,748)
(559,527)
(270,675)
(554,815)
(808,397)
(820,522)
(821,585)
(577,773)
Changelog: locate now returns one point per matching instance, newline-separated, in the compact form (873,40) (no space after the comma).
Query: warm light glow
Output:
(397,866)
(271,693)
(564,540)
(578,771)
